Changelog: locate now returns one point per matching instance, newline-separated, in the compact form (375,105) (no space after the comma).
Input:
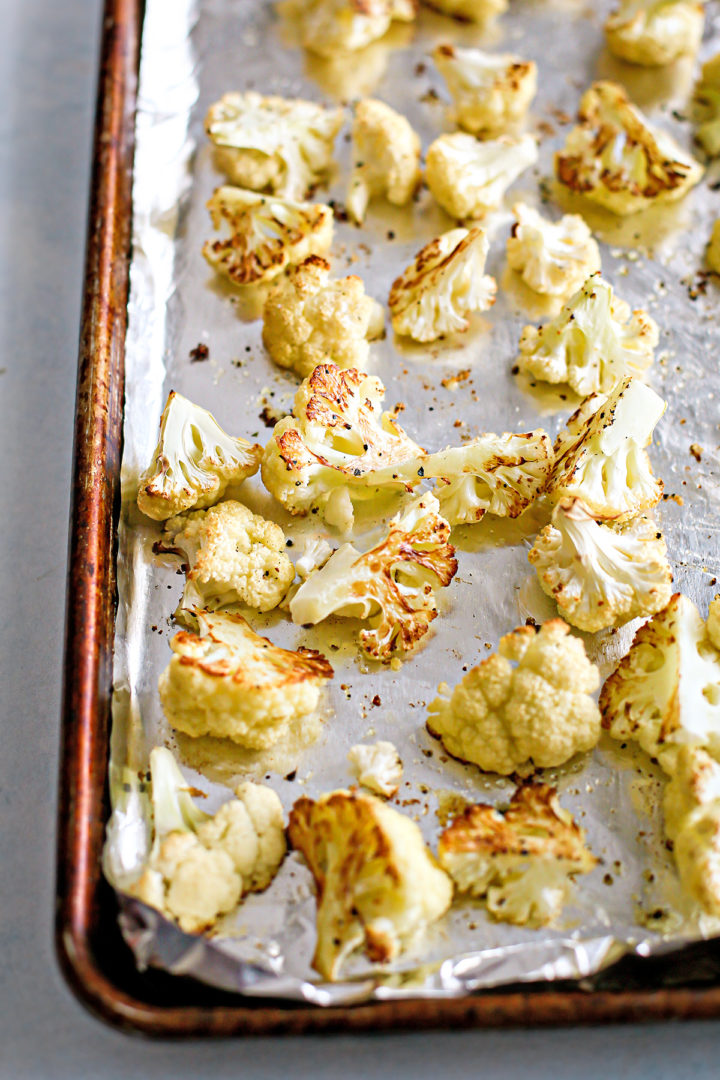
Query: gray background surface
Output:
(48,55)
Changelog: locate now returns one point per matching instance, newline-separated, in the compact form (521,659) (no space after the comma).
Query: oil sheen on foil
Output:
(193,53)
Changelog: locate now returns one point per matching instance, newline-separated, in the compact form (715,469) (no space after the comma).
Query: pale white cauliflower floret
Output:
(232,556)
(655,32)
(712,252)
(691,807)
(309,319)
(536,715)
(231,683)
(694,785)
(282,145)
(386,158)
(377,767)
(707,100)
(378,886)
(326,455)
(392,585)
(478,11)
(553,258)
(600,457)
(520,860)
(201,865)
(193,462)
(491,91)
(468,177)
(264,234)
(315,554)
(594,343)
(616,158)
(328,27)
(442,286)
(601,575)
(665,692)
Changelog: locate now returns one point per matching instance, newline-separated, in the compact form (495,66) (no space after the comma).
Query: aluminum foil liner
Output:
(192,53)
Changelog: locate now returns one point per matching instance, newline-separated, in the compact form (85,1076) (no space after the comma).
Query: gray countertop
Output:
(48,55)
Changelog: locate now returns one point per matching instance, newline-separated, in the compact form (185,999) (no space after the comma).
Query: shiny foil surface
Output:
(631,903)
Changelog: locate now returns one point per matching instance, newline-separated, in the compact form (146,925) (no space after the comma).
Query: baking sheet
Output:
(192,53)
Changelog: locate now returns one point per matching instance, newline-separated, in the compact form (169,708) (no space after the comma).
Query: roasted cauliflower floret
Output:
(600,457)
(594,343)
(201,865)
(492,474)
(309,319)
(601,575)
(392,586)
(232,556)
(477,11)
(443,286)
(707,101)
(538,714)
(491,91)
(712,252)
(520,860)
(468,177)
(325,456)
(691,806)
(694,785)
(378,886)
(386,158)
(377,767)
(282,145)
(328,27)
(194,461)
(229,682)
(617,159)
(553,258)
(655,32)
(264,234)
(665,693)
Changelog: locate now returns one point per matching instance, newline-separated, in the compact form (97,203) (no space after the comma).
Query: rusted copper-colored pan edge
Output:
(93,959)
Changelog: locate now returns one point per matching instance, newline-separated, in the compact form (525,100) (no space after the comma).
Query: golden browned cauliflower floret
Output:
(491,91)
(229,682)
(201,865)
(386,158)
(328,27)
(392,586)
(520,860)
(232,556)
(325,456)
(712,252)
(665,693)
(538,714)
(616,158)
(655,32)
(282,145)
(593,344)
(194,461)
(377,767)
(468,177)
(309,319)
(600,457)
(707,101)
(264,234)
(478,11)
(443,286)
(378,886)
(601,574)
(553,258)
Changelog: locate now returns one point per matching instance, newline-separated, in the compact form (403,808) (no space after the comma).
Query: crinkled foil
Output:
(192,53)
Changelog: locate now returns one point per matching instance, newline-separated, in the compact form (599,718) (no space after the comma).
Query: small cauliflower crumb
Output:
(468,178)
(553,258)
(309,319)
(377,767)
(386,158)
(442,286)
(521,860)
(378,886)
(538,714)
(232,556)
(491,91)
